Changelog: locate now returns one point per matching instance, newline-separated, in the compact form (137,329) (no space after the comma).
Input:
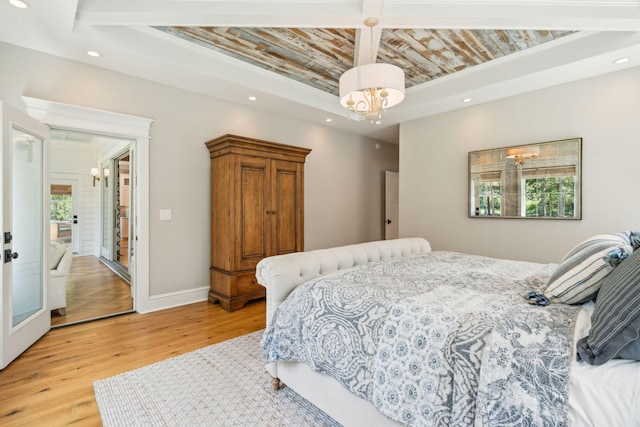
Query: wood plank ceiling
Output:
(317,57)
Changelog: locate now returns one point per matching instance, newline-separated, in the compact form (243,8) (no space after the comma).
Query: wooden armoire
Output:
(257,210)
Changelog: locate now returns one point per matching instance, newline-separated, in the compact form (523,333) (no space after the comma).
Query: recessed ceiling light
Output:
(20,4)
(465,100)
(252,98)
(94,54)
(621,60)
(328,120)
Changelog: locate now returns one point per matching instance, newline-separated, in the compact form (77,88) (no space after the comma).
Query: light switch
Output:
(165,214)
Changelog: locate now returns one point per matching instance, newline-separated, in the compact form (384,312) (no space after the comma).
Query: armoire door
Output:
(286,224)
(252,212)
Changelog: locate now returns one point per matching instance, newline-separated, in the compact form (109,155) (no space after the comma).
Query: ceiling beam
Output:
(550,15)
(612,15)
(368,35)
(256,13)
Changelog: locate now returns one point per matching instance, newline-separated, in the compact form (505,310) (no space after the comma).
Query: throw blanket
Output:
(442,339)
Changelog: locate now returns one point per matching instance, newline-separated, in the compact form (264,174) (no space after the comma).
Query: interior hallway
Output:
(93,290)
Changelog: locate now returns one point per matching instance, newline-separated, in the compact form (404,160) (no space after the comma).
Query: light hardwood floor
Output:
(52,382)
(93,290)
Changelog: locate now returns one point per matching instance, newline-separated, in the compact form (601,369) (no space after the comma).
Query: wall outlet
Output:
(165,214)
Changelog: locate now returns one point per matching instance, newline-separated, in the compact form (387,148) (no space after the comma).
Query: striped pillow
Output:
(615,321)
(580,273)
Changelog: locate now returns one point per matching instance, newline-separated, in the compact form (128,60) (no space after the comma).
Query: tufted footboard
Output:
(283,273)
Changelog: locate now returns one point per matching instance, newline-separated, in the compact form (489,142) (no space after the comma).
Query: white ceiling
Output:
(120,30)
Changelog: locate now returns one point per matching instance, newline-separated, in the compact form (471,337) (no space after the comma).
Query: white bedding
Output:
(606,395)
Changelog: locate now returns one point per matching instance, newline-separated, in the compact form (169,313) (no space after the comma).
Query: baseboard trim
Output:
(172,299)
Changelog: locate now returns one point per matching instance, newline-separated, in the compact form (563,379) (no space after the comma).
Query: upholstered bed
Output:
(392,333)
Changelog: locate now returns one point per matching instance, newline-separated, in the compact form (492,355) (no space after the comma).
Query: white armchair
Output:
(60,259)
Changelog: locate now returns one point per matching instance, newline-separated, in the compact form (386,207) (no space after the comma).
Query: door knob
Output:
(8,255)
(388,221)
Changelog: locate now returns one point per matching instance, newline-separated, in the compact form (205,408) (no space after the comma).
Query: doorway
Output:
(137,130)
(88,203)
(391,184)
(22,133)
(117,249)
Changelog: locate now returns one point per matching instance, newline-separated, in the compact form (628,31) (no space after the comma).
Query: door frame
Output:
(84,119)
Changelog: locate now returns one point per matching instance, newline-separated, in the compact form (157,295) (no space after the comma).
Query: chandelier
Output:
(368,90)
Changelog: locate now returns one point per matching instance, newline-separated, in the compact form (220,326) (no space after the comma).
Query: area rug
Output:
(221,385)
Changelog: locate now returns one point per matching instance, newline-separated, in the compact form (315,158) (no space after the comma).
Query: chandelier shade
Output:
(369,89)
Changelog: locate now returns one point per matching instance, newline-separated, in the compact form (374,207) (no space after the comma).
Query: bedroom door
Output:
(391,181)
(24,316)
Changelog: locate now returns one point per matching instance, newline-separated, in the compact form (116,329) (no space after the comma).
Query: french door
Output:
(25,316)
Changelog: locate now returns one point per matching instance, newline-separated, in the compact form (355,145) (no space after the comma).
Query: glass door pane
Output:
(61,216)
(27,295)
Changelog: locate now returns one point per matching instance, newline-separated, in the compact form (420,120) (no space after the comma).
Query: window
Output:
(490,198)
(61,216)
(552,196)
(61,203)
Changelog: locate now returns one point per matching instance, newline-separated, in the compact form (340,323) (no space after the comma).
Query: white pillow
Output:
(56,251)
(579,276)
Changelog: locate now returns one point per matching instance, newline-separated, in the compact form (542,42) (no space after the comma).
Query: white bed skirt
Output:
(330,396)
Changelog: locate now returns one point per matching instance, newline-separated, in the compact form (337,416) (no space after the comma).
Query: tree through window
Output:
(551,196)
(490,197)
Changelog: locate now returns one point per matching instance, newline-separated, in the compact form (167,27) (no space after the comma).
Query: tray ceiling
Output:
(318,57)
(289,54)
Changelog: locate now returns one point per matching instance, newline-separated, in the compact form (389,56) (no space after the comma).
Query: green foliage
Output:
(550,197)
(60,207)
(490,197)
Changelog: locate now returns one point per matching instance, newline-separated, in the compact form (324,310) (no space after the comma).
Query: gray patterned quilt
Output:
(442,339)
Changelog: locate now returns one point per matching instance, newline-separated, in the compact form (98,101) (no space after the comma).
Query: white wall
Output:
(343,174)
(604,111)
